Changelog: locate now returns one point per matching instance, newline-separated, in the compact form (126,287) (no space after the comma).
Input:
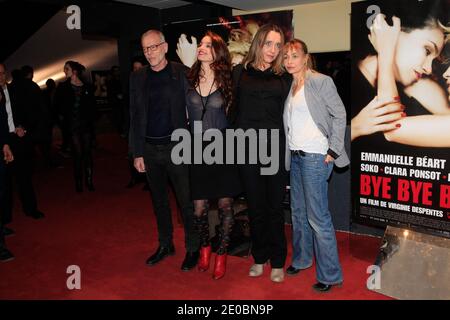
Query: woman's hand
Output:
(377,116)
(328,159)
(383,37)
(186,51)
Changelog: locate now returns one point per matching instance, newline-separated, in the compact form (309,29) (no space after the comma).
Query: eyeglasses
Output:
(152,47)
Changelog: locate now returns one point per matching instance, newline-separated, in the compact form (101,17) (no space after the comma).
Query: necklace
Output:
(205,103)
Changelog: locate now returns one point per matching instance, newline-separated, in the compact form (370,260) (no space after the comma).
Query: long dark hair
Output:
(76,67)
(221,67)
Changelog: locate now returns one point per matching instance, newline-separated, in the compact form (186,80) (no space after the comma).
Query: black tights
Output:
(226,217)
(81,144)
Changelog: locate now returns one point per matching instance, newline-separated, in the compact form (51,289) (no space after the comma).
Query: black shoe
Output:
(6,255)
(160,254)
(190,260)
(36,215)
(8,232)
(292,271)
(322,287)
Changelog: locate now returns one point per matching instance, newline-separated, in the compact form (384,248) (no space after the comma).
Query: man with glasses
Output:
(157,108)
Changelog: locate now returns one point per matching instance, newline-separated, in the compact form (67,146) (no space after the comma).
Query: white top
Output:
(303,133)
(12,127)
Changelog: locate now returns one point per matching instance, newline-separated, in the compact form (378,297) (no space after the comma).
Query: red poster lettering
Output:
(445,197)
(380,186)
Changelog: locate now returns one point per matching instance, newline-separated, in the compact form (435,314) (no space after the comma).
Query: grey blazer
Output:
(328,113)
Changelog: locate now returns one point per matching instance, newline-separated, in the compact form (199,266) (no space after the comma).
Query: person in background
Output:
(115,99)
(75,98)
(21,99)
(6,157)
(135,177)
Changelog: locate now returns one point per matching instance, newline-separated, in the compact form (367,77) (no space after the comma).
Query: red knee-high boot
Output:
(205,256)
(220,266)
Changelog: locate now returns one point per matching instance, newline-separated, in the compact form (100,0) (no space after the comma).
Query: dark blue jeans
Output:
(160,169)
(313,231)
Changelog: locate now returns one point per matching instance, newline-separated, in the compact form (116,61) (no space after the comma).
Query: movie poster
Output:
(401,114)
(237,31)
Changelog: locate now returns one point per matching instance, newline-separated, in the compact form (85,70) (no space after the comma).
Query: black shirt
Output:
(214,115)
(159,124)
(261,96)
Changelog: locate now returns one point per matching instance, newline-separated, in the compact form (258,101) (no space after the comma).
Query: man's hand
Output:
(7,154)
(139,164)
(186,51)
(21,132)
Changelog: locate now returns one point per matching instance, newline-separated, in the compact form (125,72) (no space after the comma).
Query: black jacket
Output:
(4,128)
(139,104)
(65,99)
(27,105)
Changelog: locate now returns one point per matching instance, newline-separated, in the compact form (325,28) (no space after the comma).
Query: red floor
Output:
(110,233)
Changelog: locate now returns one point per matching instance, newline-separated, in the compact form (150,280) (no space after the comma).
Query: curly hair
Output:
(221,67)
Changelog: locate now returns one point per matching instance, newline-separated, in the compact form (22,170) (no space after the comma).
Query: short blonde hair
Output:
(300,45)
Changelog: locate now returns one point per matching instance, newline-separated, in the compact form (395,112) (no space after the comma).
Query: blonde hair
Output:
(254,56)
(300,45)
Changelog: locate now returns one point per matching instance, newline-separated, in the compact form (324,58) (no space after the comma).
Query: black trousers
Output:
(2,200)
(81,145)
(21,169)
(160,169)
(265,194)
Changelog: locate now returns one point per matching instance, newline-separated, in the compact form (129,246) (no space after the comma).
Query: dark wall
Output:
(120,21)
(126,23)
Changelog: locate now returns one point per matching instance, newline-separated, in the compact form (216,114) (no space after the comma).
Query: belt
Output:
(298,153)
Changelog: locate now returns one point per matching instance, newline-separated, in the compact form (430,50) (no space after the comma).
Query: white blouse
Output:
(303,133)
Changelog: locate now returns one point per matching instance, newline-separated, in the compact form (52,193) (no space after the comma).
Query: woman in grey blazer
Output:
(314,121)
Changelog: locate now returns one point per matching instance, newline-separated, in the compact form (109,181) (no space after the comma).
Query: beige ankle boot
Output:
(277,275)
(256,270)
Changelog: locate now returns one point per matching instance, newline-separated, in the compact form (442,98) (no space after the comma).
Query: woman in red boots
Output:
(208,98)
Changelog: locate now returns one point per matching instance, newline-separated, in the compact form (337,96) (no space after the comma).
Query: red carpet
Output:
(110,233)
